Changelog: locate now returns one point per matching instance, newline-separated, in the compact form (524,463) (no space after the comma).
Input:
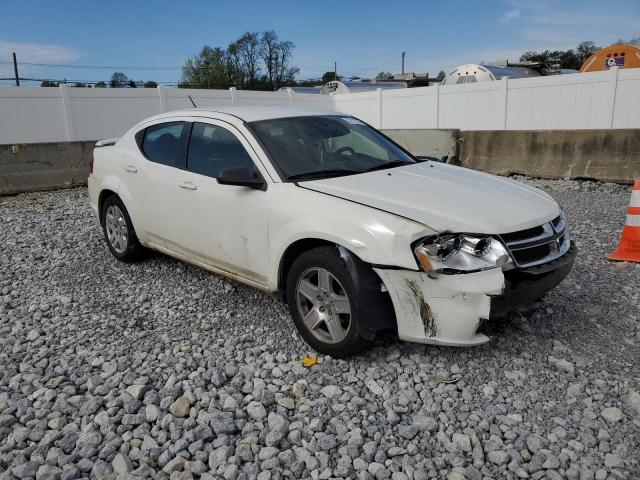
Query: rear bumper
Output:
(448,309)
(93,188)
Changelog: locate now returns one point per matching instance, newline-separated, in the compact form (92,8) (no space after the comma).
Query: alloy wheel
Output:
(116,226)
(323,305)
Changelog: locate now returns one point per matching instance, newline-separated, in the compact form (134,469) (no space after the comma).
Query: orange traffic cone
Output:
(629,248)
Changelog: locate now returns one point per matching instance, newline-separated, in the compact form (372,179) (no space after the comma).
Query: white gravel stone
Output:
(331,391)
(256,410)
(612,414)
(137,391)
(374,387)
(121,464)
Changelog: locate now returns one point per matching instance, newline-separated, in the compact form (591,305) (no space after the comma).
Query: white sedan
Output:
(352,231)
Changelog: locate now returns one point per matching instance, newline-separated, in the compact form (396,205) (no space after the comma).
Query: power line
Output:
(106,67)
(87,82)
(164,67)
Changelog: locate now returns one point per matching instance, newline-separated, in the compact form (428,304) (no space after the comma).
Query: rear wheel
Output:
(118,230)
(325,304)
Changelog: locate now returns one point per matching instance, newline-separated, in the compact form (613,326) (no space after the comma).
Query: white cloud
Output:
(33,53)
(557,26)
(39,52)
(511,14)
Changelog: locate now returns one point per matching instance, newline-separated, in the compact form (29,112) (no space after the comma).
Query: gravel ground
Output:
(163,370)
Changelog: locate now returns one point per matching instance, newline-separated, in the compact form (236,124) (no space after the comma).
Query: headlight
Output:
(451,253)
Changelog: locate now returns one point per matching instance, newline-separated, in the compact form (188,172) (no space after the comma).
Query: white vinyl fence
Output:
(609,99)
(55,114)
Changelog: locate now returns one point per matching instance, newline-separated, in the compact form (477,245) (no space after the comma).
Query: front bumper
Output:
(523,287)
(448,309)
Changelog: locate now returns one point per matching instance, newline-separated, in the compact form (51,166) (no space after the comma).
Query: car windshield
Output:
(313,147)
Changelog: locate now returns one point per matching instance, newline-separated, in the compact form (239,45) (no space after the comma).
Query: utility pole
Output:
(335,71)
(15,69)
(403,54)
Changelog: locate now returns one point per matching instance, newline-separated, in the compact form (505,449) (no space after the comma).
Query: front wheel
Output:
(325,304)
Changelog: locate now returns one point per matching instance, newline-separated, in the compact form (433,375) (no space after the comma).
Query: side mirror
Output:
(242,177)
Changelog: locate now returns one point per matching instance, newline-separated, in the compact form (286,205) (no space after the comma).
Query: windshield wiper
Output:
(333,172)
(384,166)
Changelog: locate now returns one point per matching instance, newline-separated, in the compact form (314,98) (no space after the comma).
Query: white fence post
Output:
(613,87)
(379,90)
(504,86)
(437,87)
(290,94)
(232,92)
(162,95)
(68,118)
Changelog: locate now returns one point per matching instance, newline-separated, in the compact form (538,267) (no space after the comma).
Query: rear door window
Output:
(164,143)
(213,148)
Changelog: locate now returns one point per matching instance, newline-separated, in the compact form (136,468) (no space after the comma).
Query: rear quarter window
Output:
(164,143)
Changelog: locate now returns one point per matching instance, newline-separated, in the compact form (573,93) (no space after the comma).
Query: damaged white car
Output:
(353,232)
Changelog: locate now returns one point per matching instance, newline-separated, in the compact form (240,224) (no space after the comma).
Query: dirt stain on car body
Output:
(430,328)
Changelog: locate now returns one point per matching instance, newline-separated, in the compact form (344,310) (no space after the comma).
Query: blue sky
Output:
(364,37)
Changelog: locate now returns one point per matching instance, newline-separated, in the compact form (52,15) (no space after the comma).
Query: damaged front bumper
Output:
(448,309)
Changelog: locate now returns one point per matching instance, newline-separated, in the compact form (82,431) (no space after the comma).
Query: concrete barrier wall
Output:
(606,155)
(432,142)
(43,166)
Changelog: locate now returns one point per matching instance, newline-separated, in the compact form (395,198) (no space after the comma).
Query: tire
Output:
(321,289)
(118,231)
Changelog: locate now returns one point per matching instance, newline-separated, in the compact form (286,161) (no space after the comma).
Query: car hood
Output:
(445,197)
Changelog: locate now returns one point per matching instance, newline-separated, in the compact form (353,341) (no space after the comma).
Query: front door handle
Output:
(131,168)
(188,185)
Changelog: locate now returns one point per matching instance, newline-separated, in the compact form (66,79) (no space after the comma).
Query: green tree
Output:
(241,64)
(79,85)
(248,55)
(101,85)
(49,83)
(150,84)
(329,76)
(132,84)
(441,75)
(276,56)
(566,58)
(384,76)
(119,80)
(585,49)
(634,41)
(205,70)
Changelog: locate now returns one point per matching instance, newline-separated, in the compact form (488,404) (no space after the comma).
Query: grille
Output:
(528,255)
(538,245)
(523,234)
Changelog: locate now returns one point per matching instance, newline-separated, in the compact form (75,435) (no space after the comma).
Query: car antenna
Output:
(192,102)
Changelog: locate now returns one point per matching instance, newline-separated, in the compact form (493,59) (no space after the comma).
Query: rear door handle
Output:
(188,185)
(131,168)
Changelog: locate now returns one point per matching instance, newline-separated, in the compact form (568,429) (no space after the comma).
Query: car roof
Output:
(253,113)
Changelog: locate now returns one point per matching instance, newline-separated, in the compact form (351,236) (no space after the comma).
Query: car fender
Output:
(113,183)
(379,239)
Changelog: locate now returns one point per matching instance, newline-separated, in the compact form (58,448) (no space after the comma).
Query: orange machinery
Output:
(621,56)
